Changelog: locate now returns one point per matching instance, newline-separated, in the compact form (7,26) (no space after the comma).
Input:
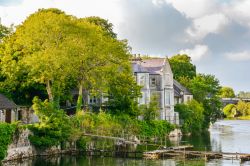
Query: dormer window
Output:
(153,82)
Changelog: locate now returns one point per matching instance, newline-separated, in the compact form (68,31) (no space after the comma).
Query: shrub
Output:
(54,127)
(159,128)
(81,143)
(192,116)
(7,131)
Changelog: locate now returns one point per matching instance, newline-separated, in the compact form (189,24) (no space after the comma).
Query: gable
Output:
(5,103)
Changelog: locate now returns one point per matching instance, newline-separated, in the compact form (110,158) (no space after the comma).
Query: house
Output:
(8,110)
(156,78)
(181,93)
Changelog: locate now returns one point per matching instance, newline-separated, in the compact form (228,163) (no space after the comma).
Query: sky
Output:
(214,33)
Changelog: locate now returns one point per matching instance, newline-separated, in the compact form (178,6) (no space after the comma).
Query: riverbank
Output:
(94,145)
(224,136)
(239,118)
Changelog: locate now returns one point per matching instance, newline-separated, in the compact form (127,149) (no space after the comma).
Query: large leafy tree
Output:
(205,89)
(59,52)
(35,52)
(97,58)
(182,67)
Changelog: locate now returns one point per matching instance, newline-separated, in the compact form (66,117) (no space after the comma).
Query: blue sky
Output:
(215,33)
(10,2)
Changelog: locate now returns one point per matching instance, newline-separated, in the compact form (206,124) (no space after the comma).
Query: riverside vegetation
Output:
(51,53)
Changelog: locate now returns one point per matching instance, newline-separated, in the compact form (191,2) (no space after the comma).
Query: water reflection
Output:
(231,136)
(105,161)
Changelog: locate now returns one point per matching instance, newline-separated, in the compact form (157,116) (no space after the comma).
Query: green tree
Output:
(37,52)
(226,92)
(205,89)
(123,93)
(230,111)
(97,58)
(192,115)
(4,31)
(243,108)
(104,24)
(54,126)
(151,111)
(182,67)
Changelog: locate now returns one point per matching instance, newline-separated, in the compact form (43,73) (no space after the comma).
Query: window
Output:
(92,99)
(167,97)
(142,80)
(142,99)
(153,82)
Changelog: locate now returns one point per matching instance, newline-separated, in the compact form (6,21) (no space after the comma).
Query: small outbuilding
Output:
(8,110)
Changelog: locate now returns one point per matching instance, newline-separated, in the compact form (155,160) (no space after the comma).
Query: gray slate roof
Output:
(5,103)
(151,66)
(178,88)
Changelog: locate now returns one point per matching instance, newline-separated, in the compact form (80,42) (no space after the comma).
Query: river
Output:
(223,136)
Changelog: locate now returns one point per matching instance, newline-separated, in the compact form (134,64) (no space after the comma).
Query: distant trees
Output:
(244,94)
(230,110)
(226,92)
(241,109)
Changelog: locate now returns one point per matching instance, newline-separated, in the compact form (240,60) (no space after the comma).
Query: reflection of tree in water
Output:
(199,141)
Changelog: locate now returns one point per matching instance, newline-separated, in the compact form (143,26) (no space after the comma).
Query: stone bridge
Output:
(226,101)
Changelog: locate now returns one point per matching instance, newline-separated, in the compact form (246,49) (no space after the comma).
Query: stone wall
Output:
(21,148)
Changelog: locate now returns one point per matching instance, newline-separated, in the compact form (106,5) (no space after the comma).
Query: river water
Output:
(223,136)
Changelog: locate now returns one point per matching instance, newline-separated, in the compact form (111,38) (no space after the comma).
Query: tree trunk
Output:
(49,91)
(80,97)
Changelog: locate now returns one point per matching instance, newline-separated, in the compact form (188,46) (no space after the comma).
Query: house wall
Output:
(167,85)
(3,115)
(187,98)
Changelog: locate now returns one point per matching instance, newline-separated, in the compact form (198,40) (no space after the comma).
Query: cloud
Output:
(194,8)
(238,56)
(81,8)
(207,24)
(197,53)
(153,27)
(238,11)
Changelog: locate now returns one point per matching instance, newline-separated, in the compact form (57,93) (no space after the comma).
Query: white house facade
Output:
(156,78)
